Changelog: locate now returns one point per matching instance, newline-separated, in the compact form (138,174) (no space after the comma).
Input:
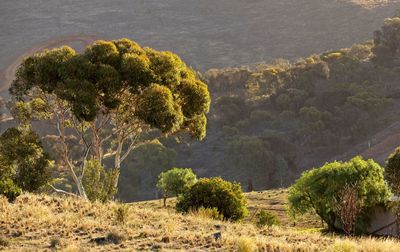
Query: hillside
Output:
(38,222)
(258,139)
(206,34)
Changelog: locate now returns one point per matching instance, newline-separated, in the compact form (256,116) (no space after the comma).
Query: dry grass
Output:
(46,223)
(372,3)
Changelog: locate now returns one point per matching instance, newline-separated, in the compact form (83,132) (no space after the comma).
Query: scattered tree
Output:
(316,190)
(175,182)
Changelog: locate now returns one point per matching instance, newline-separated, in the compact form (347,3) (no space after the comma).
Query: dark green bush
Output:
(9,189)
(227,197)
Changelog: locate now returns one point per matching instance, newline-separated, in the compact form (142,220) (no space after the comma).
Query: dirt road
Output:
(8,74)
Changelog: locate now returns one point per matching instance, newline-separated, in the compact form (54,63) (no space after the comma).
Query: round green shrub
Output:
(227,197)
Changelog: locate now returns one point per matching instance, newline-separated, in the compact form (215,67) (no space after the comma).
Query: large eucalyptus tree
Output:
(112,98)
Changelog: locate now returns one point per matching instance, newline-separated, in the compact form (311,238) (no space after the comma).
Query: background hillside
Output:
(205,33)
(256,134)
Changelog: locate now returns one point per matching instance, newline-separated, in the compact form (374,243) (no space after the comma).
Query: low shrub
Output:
(265,218)
(217,193)
(9,189)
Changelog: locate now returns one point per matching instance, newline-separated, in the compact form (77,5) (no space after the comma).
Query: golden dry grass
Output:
(372,3)
(45,223)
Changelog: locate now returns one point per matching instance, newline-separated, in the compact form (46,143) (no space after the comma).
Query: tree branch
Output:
(62,191)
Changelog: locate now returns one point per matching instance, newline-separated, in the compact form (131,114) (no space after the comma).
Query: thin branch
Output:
(62,191)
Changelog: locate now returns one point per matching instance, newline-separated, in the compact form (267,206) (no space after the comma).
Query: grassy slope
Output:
(33,222)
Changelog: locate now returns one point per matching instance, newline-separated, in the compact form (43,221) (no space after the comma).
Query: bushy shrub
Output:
(265,218)
(97,181)
(317,190)
(176,181)
(227,197)
(9,189)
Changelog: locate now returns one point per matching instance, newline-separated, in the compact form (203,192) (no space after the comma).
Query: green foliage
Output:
(265,218)
(316,189)
(95,79)
(9,189)
(227,197)
(392,171)
(23,160)
(176,181)
(97,181)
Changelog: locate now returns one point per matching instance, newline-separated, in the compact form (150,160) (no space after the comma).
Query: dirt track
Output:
(8,74)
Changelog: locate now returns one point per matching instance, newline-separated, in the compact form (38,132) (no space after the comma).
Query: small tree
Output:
(227,197)
(24,165)
(348,207)
(392,171)
(316,190)
(175,182)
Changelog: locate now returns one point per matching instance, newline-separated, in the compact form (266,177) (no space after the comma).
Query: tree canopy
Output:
(110,97)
